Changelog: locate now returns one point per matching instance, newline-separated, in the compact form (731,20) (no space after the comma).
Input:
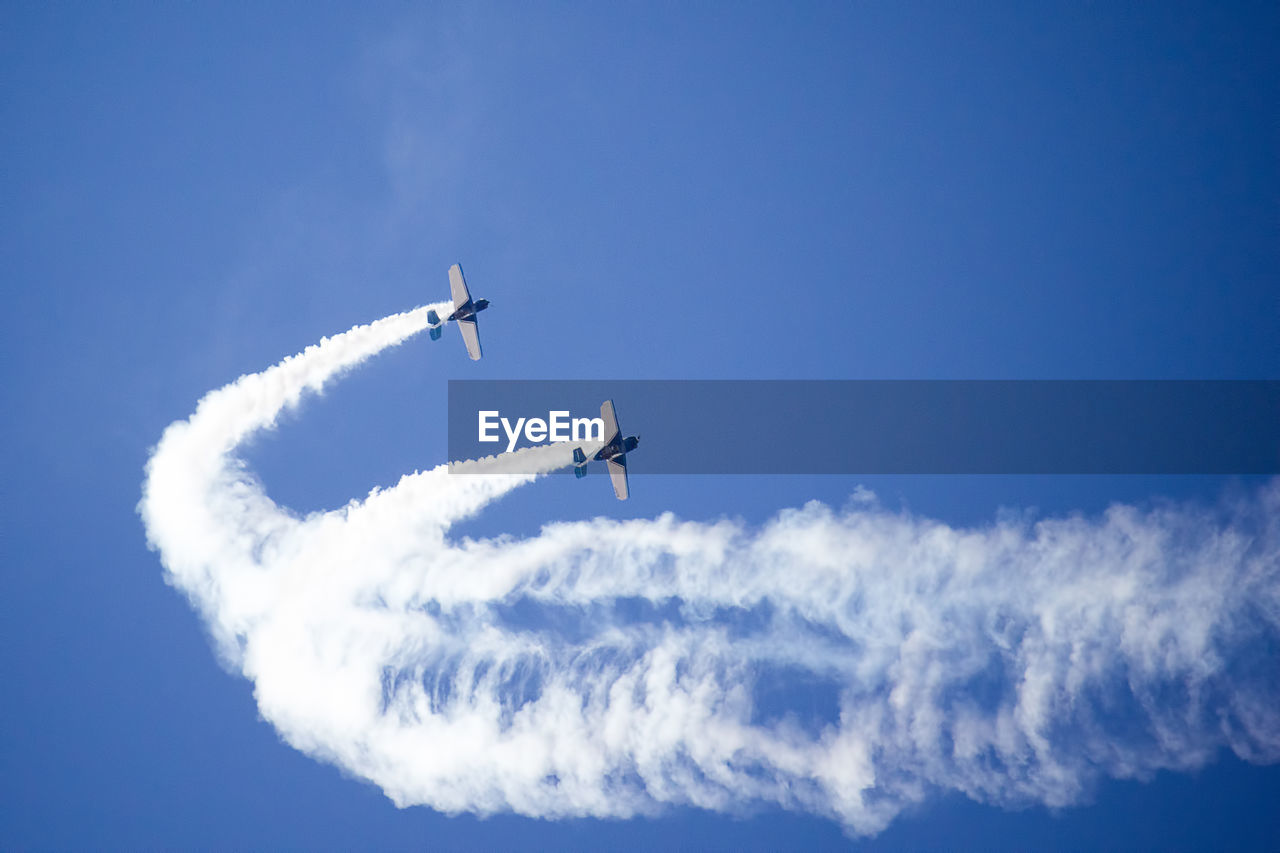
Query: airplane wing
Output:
(458,290)
(618,474)
(610,422)
(470,335)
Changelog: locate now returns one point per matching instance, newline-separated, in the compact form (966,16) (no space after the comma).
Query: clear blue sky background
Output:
(839,190)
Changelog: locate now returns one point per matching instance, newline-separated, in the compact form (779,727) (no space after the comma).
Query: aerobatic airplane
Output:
(613,454)
(464,313)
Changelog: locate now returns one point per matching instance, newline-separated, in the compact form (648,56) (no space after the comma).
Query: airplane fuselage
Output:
(468,310)
(617,448)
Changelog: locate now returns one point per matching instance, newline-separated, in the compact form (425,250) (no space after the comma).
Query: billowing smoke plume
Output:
(843,662)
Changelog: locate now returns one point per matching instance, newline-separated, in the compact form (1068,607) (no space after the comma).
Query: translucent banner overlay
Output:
(890,426)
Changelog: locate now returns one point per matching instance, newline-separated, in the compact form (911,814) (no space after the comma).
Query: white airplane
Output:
(464,313)
(613,454)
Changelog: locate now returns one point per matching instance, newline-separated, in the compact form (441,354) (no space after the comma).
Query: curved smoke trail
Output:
(840,662)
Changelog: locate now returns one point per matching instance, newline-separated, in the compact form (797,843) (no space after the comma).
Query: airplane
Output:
(613,454)
(464,313)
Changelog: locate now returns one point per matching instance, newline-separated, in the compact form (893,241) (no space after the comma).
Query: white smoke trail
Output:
(845,663)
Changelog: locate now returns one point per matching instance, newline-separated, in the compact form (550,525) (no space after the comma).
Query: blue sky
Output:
(676,191)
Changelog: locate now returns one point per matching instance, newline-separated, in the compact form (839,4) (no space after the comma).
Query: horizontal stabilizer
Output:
(578,456)
(434,332)
(580,472)
(432,317)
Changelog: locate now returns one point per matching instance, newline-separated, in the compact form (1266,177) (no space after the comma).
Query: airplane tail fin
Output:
(434,319)
(579,463)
